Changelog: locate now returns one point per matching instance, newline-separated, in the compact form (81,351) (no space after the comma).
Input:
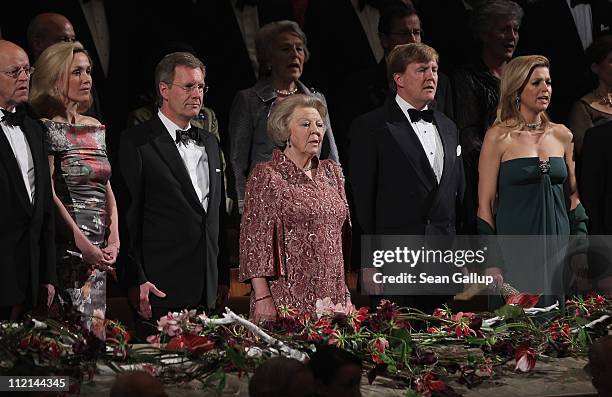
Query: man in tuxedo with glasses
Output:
(27,259)
(173,206)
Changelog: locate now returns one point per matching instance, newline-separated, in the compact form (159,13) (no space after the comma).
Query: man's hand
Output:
(497,274)
(139,297)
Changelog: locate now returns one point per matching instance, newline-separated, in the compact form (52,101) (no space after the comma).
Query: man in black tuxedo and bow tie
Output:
(406,171)
(27,246)
(172,173)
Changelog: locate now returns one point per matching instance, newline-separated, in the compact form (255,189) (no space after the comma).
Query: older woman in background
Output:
(495,25)
(596,106)
(296,220)
(281,53)
(80,172)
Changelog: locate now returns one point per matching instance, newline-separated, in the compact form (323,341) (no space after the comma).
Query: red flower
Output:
(24,343)
(355,318)
(379,344)
(526,301)
(462,326)
(558,331)
(191,343)
(525,359)
(428,383)
(441,313)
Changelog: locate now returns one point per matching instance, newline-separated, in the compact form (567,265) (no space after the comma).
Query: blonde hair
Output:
(515,78)
(50,80)
(280,116)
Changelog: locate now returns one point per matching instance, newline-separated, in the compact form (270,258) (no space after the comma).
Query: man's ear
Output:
(398,79)
(163,90)
(595,68)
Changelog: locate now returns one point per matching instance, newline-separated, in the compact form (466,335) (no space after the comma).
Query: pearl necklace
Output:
(285,92)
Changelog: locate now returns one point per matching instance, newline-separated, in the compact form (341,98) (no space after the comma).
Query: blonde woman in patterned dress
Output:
(86,211)
(296,221)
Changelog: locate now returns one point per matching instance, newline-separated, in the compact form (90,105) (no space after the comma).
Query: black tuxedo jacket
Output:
(394,188)
(27,237)
(172,241)
(596,178)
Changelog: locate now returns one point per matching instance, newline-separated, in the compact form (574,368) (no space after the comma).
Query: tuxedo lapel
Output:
(35,143)
(10,161)
(214,164)
(449,144)
(170,155)
(399,127)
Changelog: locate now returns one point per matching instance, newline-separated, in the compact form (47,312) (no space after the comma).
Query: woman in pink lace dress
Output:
(296,219)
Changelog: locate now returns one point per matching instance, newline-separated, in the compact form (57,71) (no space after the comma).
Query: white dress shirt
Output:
(248,21)
(369,17)
(195,159)
(21,150)
(428,136)
(583,21)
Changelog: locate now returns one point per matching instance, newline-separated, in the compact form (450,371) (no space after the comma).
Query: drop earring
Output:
(288,142)
(517,102)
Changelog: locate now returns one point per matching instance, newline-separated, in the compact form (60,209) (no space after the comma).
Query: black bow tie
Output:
(574,3)
(416,115)
(241,3)
(185,136)
(14,119)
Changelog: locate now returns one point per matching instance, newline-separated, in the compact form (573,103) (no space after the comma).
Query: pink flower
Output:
(169,325)
(525,359)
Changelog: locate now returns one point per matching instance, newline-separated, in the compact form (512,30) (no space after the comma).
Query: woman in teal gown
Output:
(527,184)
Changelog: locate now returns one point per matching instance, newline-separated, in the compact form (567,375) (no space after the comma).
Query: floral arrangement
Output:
(417,351)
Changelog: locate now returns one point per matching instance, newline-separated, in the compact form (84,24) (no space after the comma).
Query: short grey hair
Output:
(166,67)
(280,116)
(485,16)
(267,34)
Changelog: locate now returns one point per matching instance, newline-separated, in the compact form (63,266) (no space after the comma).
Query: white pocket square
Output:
(458,150)
(217,170)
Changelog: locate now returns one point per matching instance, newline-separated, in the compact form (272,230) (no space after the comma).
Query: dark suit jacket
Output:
(560,43)
(367,90)
(596,178)
(173,242)
(27,234)
(394,188)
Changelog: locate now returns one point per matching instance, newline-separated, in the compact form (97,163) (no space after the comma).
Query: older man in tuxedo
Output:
(172,172)
(26,208)
(406,172)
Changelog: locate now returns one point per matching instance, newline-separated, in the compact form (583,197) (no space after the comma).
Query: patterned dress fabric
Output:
(294,232)
(82,171)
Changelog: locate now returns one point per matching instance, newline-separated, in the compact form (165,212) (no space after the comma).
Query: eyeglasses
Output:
(16,72)
(189,88)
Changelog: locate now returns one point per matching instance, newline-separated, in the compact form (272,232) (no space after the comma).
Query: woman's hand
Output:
(110,253)
(92,255)
(264,310)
